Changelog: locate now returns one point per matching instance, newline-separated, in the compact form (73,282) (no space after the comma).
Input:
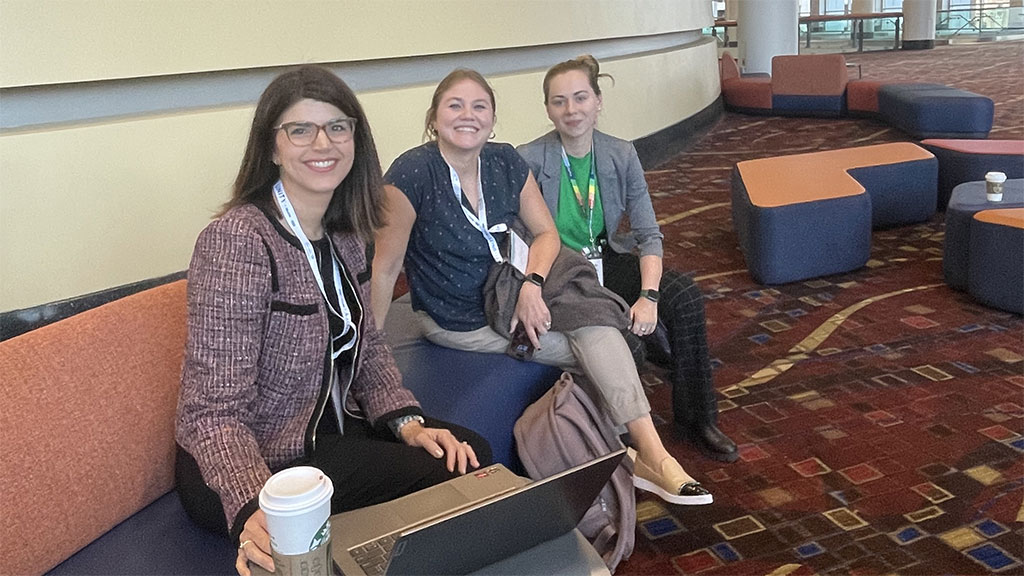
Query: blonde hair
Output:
(586,64)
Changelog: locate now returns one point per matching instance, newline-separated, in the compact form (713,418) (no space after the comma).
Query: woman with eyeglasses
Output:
(590,181)
(284,363)
(450,203)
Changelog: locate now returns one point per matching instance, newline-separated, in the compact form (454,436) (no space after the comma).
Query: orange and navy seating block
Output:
(996,263)
(809,85)
(748,94)
(809,215)
(818,85)
(964,160)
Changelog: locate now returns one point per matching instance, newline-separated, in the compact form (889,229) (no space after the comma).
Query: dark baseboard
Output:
(918,44)
(656,148)
(18,322)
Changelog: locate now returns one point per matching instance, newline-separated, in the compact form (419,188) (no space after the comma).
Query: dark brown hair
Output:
(586,64)
(453,77)
(357,202)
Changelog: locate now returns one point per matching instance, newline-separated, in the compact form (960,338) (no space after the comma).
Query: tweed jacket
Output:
(622,186)
(256,374)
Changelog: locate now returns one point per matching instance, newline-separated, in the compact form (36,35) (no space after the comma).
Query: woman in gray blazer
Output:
(590,180)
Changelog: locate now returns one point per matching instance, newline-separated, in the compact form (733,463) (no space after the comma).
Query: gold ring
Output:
(242,545)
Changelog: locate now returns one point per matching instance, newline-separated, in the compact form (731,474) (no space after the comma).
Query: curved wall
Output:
(123,122)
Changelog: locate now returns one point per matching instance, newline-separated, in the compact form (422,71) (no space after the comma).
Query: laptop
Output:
(466,523)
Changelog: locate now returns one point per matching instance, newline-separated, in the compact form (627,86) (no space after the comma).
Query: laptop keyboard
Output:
(373,556)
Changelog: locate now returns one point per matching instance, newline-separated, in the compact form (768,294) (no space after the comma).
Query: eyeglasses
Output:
(339,131)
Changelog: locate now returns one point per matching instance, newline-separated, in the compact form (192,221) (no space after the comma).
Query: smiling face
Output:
(319,167)
(464,117)
(572,105)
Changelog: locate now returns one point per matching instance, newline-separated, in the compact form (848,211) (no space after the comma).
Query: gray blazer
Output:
(620,181)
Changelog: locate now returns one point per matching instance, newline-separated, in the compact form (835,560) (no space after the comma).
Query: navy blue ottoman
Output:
(966,201)
(996,269)
(968,160)
(935,111)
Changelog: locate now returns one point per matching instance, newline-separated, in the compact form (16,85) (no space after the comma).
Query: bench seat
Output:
(484,392)
(935,111)
(810,215)
(996,266)
(966,160)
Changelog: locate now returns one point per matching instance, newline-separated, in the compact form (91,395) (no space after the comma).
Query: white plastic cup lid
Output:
(295,490)
(996,177)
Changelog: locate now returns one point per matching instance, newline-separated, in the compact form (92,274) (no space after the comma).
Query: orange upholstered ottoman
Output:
(996,268)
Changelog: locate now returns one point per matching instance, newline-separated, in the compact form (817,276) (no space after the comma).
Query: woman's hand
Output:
(255,545)
(643,316)
(438,442)
(532,312)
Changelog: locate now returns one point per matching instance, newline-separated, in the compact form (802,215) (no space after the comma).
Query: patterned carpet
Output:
(880,414)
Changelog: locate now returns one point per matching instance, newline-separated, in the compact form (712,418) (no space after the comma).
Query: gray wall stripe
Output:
(50,106)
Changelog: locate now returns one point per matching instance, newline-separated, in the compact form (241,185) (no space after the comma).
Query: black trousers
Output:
(681,310)
(365,465)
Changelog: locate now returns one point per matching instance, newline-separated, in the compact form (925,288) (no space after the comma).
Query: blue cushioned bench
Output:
(484,392)
(88,422)
(935,111)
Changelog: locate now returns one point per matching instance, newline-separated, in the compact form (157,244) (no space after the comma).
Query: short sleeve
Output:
(519,169)
(407,173)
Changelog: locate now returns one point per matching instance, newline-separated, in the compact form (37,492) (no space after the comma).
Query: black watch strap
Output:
(652,295)
(534,278)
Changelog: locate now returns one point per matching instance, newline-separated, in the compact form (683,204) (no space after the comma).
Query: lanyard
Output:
(591,190)
(293,222)
(480,223)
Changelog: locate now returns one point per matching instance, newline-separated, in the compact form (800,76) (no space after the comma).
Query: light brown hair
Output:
(586,64)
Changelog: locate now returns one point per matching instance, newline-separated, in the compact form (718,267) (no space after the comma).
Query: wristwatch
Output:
(397,424)
(652,295)
(534,278)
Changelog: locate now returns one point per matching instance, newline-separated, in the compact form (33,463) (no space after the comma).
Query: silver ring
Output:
(547,324)
(242,545)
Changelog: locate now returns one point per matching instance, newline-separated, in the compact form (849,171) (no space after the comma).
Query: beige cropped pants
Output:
(599,352)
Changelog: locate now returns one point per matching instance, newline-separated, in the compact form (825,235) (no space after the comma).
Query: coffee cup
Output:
(297,504)
(994,186)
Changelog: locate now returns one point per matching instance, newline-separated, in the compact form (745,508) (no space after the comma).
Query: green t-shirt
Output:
(572,220)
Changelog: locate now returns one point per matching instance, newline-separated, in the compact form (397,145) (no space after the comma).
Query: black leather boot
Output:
(712,442)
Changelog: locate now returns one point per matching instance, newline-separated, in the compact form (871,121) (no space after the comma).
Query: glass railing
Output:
(883,31)
(968,24)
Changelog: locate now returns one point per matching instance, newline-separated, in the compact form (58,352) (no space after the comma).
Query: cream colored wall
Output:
(55,41)
(88,207)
